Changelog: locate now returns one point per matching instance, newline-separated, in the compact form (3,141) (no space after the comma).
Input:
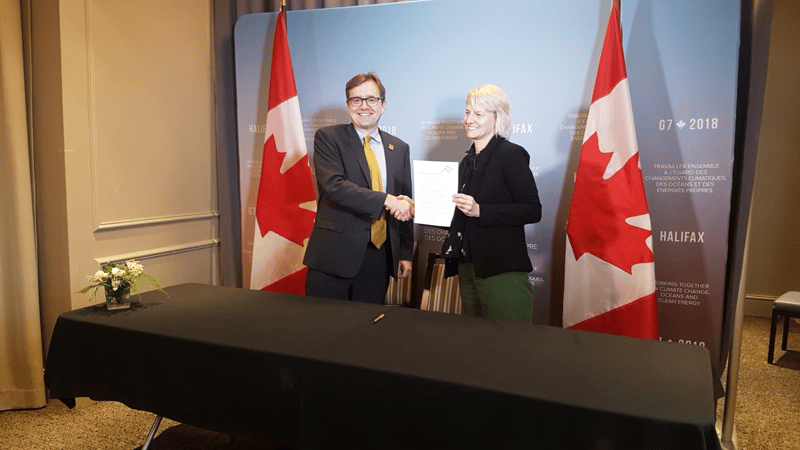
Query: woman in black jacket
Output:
(497,196)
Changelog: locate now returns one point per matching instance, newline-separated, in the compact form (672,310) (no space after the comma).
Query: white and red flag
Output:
(609,280)
(285,208)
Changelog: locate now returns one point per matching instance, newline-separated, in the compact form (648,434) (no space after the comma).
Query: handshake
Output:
(401,207)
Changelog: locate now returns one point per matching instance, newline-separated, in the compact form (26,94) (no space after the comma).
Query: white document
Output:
(435,183)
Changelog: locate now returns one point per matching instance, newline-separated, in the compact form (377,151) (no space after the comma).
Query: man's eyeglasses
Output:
(371,101)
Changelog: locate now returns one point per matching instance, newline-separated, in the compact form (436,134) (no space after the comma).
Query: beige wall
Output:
(773,263)
(124,144)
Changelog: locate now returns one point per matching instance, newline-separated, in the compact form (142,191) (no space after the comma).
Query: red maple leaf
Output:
(280,195)
(599,209)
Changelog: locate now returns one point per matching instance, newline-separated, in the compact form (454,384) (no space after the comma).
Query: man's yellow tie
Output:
(378,236)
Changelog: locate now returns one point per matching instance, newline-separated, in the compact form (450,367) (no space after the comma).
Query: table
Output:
(319,372)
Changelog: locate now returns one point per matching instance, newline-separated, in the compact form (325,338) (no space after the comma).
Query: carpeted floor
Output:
(767,408)
(109,426)
(768,398)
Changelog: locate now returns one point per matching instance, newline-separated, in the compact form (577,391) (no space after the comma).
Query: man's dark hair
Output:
(362,78)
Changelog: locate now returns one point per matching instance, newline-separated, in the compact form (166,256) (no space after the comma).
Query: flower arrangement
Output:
(117,280)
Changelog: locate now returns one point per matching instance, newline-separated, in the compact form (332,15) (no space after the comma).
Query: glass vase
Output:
(120,301)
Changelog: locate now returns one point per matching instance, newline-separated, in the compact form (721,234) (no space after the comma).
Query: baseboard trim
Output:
(758,305)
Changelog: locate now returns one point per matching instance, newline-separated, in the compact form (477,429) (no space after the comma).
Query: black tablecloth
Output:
(319,372)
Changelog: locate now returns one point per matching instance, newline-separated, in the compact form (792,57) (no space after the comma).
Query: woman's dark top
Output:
(500,180)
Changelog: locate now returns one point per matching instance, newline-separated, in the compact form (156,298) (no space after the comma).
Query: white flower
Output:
(117,278)
(134,268)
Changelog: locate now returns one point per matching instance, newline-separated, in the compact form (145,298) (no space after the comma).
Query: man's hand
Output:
(400,209)
(409,200)
(403,269)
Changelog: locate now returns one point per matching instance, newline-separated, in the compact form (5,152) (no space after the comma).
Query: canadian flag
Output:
(609,280)
(286,207)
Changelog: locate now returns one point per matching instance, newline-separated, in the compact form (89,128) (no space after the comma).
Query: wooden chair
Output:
(787,305)
(399,292)
(440,294)
(400,289)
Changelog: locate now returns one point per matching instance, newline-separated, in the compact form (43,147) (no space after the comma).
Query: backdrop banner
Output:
(682,59)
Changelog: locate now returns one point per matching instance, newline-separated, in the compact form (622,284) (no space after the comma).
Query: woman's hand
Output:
(466,204)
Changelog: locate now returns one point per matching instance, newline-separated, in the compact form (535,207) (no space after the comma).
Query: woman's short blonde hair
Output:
(491,98)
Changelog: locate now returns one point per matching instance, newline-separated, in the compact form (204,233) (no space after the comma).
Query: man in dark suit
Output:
(362,233)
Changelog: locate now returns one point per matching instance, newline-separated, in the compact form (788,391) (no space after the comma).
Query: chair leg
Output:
(772,328)
(785,332)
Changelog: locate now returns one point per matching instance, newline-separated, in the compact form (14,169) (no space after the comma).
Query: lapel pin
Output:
(391,147)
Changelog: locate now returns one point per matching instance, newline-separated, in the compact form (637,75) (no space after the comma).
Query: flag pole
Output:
(283,11)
